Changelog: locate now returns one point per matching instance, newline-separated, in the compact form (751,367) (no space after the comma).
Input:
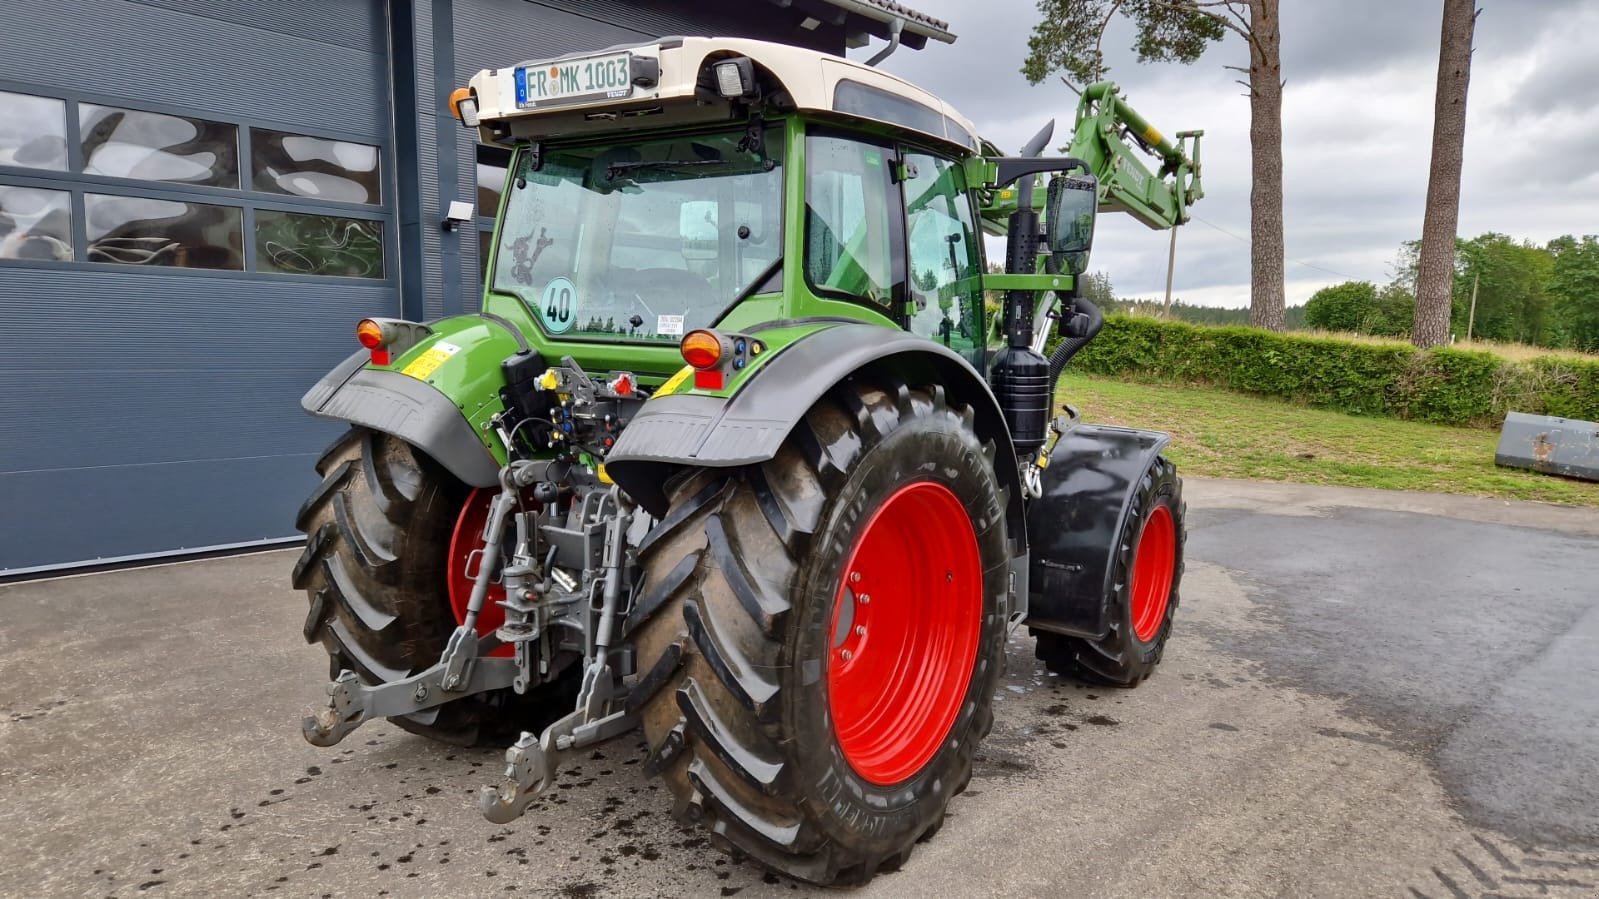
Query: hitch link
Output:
(460,670)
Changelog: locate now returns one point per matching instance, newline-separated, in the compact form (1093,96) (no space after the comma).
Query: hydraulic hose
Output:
(1069,346)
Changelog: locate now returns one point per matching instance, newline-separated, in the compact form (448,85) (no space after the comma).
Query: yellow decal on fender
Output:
(423,366)
(674,383)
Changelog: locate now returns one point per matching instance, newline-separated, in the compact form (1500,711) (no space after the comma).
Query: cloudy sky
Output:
(1357,131)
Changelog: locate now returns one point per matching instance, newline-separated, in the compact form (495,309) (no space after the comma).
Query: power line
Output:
(1294,261)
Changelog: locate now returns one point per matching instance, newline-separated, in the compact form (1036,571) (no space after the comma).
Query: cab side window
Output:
(946,296)
(849,241)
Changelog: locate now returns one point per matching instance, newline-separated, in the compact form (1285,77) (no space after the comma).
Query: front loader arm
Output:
(1106,130)
(1114,141)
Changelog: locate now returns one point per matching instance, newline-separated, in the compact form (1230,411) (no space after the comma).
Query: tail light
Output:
(375,337)
(704,351)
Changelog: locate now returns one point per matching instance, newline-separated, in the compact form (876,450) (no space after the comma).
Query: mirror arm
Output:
(1011,168)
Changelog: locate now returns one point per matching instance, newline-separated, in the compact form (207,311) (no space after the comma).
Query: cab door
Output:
(945,296)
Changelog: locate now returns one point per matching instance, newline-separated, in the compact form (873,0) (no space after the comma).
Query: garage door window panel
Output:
(318,168)
(302,244)
(150,146)
(165,233)
(35,224)
(33,132)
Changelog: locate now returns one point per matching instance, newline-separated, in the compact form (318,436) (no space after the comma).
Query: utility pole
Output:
(1471,319)
(1171,264)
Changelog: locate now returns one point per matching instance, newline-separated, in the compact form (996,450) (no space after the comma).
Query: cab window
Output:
(946,297)
(850,241)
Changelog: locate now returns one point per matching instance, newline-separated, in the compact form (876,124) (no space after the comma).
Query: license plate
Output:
(607,77)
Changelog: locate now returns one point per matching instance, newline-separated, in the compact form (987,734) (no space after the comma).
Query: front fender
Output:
(1088,486)
(750,426)
(436,396)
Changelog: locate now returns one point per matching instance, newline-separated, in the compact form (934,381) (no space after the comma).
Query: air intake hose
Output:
(1069,346)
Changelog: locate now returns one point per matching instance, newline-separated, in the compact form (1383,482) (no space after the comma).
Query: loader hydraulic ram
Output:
(734,453)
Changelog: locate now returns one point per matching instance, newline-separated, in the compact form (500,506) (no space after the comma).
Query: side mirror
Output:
(1069,221)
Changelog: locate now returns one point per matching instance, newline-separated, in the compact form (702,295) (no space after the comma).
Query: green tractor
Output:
(735,453)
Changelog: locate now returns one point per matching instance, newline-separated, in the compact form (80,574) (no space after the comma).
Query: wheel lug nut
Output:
(848,655)
(855,577)
(860,630)
(864,599)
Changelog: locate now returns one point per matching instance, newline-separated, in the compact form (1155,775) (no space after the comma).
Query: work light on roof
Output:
(735,77)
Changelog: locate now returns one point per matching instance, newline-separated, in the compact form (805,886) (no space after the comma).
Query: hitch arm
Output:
(352,703)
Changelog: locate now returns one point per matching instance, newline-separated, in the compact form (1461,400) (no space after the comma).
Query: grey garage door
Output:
(195,207)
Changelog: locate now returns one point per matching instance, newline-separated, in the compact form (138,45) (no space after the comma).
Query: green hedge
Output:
(1446,386)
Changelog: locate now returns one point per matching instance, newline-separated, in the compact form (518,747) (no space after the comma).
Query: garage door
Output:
(195,205)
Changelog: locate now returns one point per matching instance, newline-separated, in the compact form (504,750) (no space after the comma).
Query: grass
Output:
(1217,433)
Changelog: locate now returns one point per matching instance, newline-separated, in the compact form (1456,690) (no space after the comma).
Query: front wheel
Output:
(1148,571)
(818,636)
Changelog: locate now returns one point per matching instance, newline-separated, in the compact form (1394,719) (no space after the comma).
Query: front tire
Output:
(810,696)
(1148,572)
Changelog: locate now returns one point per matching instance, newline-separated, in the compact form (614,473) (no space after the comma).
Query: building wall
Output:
(151,370)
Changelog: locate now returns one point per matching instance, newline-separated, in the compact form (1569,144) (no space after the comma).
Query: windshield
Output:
(641,240)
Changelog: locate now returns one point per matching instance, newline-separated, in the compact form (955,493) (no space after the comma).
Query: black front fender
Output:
(1072,528)
(411,410)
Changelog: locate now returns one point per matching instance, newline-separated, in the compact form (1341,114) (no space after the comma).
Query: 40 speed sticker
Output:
(423,366)
(558,306)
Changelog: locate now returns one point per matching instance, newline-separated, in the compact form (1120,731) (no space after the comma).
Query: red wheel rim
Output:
(906,621)
(466,546)
(1153,564)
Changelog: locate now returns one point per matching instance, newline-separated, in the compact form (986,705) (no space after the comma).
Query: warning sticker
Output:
(669,324)
(423,366)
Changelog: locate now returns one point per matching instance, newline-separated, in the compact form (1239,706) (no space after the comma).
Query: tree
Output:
(1349,306)
(1096,287)
(1512,281)
(1574,284)
(1395,314)
(1068,37)
(1434,288)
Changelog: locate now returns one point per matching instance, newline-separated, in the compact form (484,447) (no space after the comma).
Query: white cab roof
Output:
(813,80)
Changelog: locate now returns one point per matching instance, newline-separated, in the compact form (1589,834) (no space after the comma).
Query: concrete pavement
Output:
(1369,693)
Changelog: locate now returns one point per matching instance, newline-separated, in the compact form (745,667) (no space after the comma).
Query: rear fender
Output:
(437,396)
(670,432)
(1072,528)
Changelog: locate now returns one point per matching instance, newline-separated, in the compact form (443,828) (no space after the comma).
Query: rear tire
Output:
(378,531)
(1149,554)
(737,631)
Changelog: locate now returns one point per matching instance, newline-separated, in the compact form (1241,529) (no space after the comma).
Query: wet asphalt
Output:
(1368,694)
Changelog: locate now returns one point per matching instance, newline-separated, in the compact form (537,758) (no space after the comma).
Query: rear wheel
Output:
(1148,571)
(818,636)
(391,540)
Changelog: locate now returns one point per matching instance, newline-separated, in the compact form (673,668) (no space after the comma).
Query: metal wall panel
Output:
(154,410)
(208,63)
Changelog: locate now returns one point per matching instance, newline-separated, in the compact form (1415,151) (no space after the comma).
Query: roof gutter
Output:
(877,13)
(894,31)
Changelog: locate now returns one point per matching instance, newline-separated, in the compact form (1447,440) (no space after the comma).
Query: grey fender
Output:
(749,427)
(409,409)
(1072,528)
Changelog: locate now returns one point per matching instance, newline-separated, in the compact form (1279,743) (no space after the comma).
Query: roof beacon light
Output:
(735,77)
(463,105)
